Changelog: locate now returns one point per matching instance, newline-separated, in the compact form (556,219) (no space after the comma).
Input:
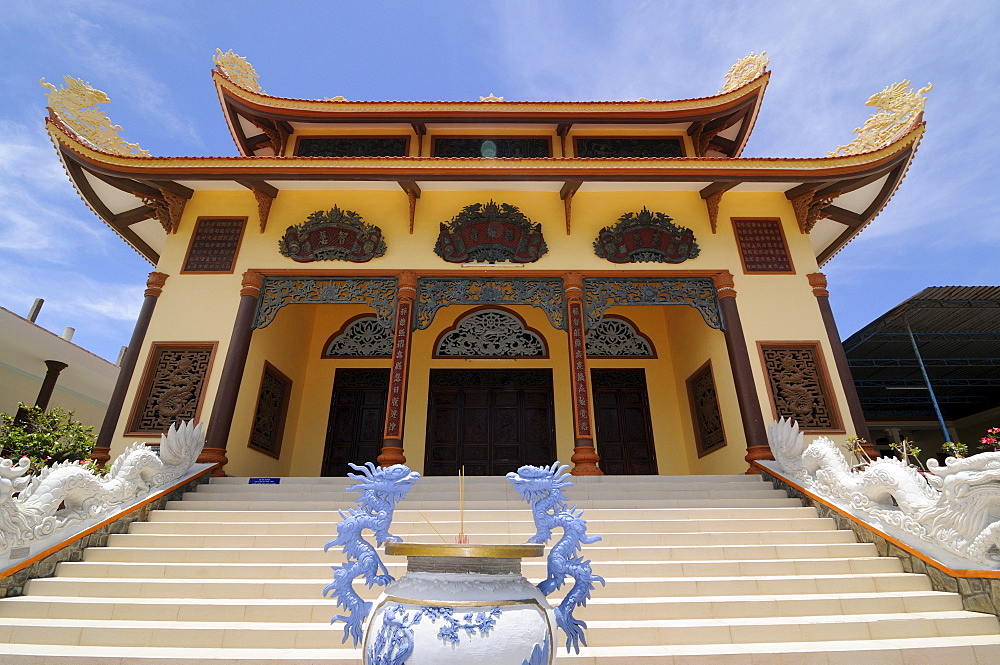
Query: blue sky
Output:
(827,58)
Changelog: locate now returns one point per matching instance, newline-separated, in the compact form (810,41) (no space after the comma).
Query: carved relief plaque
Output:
(171,387)
(708,431)
(362,337)
(646,237)
(798,386)
(333,235)
(214,245)
(490,333)
(490,232)
(269,416)
(762,246)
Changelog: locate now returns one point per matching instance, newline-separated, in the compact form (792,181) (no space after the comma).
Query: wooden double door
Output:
(621,415)
(489,421)
(357,419)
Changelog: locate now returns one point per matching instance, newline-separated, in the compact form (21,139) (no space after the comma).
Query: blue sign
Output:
(264,481)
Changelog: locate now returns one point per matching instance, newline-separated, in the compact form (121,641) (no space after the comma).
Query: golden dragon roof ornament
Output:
(75,103)
(745,70)
(237,69)
(900,109)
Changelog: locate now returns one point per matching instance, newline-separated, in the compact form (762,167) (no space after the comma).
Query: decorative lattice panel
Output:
(798,386)
(171,391)
(364,337)
(709,434)
(617,338)
(491,333)
(269,417)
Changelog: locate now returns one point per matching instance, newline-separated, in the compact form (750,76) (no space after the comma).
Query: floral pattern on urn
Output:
(333,235)
(490,233)
(646,237)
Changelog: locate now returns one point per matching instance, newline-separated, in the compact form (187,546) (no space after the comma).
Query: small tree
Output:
(45,437)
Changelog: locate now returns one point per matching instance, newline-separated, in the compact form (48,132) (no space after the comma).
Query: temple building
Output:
(484,284)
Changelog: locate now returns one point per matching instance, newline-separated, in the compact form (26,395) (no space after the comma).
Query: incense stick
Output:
(462,539)
(443,539)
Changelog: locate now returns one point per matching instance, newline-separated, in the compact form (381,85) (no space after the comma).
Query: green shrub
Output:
(46,437)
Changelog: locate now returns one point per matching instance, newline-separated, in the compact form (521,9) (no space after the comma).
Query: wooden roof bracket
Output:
(810,201)
(420,129)
(277,132)
(713,197)
(412,190)
(562,130)
(265,193)
(566,193)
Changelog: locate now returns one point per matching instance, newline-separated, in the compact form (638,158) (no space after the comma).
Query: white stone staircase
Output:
(700,569)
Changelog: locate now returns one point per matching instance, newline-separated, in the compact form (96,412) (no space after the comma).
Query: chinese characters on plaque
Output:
(762,246)
(214,245)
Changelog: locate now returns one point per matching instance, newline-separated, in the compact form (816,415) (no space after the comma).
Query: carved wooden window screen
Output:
(361,337)
(352,146)
(172,386)
(617,337)
(490,333)
(272,408)
(657,147)
(709,434)
(798,385)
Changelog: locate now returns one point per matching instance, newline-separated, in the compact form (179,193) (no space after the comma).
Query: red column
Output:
(739,361)
(224,409)
(585,456)
(102,448)
(817,281)
(49,383)
(392,438)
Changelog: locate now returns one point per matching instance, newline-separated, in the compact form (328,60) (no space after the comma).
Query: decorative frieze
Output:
(277,292)
(797,383)
(433,293)
(697,292)
(269,416)
(172,386)
(708,430)
(646,237)
(490,333)
(333,235)
(490,233)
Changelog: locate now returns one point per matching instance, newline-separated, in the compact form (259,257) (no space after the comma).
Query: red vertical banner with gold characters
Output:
(392,440)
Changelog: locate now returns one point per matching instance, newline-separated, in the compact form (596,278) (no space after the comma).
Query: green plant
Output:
(955,449)
(45,437)
(906,450)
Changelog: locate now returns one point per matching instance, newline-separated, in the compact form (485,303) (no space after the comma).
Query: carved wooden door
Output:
(489,421)
(357,419)
(621,413)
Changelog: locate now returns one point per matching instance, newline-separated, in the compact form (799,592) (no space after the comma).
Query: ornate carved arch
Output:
(618,337)
(490,332)
(362,336)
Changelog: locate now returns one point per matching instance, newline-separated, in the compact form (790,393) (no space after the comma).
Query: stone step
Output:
(313,503)
(267,634)
(620,587)
(596,553)
(531,569)
(501,481)
(963,650)
(610,609)
(709,540)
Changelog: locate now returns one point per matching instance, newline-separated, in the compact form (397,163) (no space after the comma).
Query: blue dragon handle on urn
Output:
(381,489)
(542,487)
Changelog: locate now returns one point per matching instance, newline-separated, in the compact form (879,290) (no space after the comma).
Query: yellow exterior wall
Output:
(202,308)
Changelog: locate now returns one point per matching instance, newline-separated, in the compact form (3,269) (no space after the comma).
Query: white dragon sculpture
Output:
(955,508)
(66,493)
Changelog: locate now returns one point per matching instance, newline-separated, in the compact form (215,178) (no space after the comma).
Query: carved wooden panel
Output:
(798,385)
(354,146)
(361,337)
(491,148)
(214,245)
(708,431)
(171,387)
(269,416)
(629,147)
(617,337)
(490,333)
(762,246)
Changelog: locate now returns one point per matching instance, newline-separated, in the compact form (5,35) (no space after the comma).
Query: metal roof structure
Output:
(944,336)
